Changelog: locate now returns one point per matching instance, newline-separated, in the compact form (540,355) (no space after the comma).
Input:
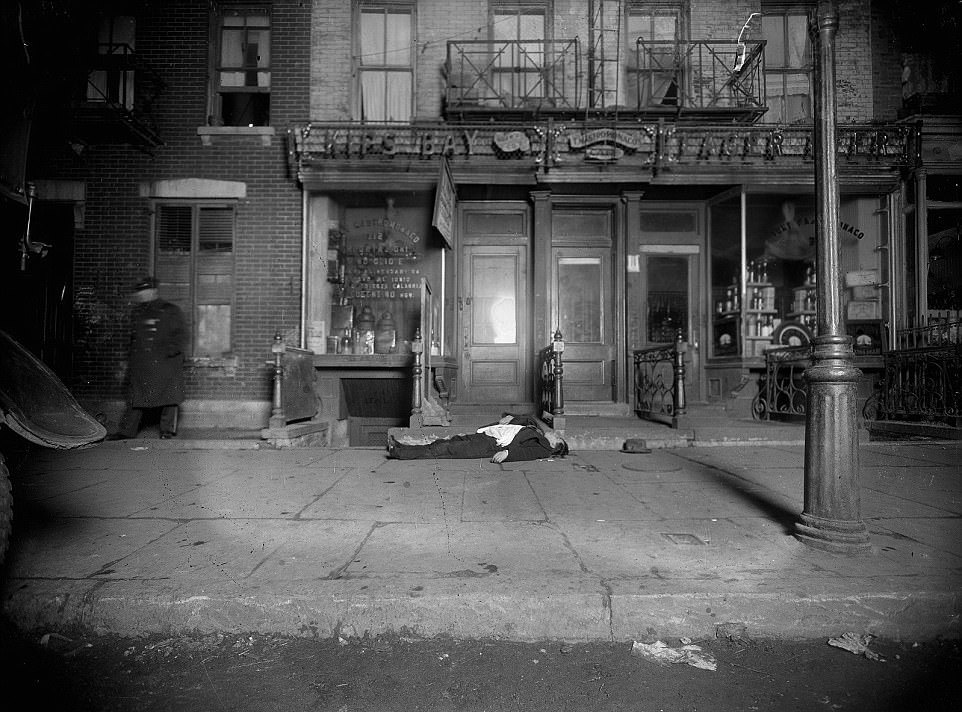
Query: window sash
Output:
(788,65)
(385,42)
(242,66)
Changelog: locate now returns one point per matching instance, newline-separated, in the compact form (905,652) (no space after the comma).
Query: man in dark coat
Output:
(514,438)
(158,337)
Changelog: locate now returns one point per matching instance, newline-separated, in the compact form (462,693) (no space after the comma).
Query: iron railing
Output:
(922,376)
(781,388)
(700,75)
(122,87)
(517,74)
(551,382)
(659,382)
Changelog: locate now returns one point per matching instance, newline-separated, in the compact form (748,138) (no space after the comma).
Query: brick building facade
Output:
(323,162)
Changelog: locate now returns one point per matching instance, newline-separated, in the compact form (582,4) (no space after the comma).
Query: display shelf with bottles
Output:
(747,322)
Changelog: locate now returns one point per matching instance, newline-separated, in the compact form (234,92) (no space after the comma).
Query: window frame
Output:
(634,71)
(360,69)
(215,113)
(193,300)
(783,70)
(519,74)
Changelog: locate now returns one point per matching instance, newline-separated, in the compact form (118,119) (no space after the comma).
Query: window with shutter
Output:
(195,266)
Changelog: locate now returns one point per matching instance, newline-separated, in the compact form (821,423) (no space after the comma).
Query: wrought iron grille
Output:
(659,381)
(922,378)
(781,388)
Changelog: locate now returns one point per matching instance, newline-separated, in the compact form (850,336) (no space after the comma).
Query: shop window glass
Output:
(944,224)
(242,68)
(194,264)
(765,294)
(385,57)
(788,64)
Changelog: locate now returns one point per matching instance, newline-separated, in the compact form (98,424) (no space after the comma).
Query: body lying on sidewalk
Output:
(511,439)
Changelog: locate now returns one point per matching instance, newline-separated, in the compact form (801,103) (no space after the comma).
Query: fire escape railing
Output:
(698,75)
(512,74)
(122,83)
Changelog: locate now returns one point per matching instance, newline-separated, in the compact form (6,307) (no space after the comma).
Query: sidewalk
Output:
(168,536)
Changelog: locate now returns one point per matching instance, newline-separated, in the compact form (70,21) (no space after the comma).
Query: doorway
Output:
(494,306)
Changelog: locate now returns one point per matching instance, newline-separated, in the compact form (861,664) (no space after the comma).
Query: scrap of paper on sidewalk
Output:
(663,654)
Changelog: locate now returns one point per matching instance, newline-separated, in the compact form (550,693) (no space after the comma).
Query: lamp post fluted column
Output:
(831,518)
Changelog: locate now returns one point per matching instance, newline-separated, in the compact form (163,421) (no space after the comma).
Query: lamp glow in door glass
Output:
(493,303)
(580,289)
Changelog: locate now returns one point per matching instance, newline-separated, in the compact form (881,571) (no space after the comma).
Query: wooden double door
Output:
(500,290)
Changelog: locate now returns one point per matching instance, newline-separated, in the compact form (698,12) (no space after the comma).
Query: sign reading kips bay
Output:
(555,143)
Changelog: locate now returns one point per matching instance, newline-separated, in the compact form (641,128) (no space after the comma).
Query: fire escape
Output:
(115,105)
(604,56)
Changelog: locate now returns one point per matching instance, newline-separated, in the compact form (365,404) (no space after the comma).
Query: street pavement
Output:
(151,536)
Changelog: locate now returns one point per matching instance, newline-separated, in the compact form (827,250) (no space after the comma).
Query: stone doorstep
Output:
(305,434)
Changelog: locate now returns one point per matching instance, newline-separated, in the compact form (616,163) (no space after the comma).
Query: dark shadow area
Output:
(749,491)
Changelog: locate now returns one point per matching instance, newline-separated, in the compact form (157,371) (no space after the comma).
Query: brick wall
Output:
(886,68)
(113,248)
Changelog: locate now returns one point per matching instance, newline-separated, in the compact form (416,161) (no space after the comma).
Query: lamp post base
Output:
(832,535)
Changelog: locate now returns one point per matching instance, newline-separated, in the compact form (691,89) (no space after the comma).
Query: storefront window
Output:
(377,257)
(777,304)
(726,261)
(944,220)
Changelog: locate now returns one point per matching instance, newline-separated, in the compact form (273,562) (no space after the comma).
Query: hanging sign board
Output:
(445,200)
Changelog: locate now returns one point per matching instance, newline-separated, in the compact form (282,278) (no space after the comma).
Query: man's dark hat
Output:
(143,283)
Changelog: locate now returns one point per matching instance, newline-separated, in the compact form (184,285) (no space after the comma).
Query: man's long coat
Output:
(157,342)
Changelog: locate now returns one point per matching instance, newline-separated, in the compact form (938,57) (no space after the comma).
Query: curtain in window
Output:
(657,80)
(386,77)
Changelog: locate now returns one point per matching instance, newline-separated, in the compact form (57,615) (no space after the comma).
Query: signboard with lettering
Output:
(445,201)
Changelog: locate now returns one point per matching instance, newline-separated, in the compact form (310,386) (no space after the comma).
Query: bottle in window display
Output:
(385,335)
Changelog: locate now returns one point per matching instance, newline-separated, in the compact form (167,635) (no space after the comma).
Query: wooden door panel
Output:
(494,324)
(582,305)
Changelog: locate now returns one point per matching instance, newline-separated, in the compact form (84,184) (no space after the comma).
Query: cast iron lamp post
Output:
(831,518)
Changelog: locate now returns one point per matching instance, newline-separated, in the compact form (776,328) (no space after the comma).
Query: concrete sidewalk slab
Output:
(600,545)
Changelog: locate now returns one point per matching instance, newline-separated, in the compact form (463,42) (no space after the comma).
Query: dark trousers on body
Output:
(456,447)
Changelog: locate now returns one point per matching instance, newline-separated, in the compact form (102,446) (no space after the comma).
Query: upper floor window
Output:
(112,79)
(518,34)
(385,62)
(194,262)
(242,68)
(788,63)
(653,32)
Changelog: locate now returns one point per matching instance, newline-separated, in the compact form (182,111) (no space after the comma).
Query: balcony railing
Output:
(527,75)
(696,78)
(700,76)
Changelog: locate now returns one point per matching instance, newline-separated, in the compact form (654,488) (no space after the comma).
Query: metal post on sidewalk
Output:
(831,518)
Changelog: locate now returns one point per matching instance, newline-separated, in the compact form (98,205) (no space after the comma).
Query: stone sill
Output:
(227,363)
(209,134)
